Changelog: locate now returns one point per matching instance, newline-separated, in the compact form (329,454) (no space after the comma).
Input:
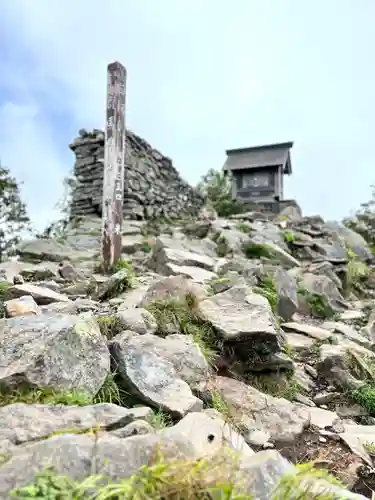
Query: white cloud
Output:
(202,77)
(27,147)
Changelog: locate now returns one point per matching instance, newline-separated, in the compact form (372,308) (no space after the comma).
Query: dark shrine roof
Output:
(270,155)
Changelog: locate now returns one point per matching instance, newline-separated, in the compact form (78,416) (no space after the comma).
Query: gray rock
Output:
(281,419)
(174,287)
(53,350)
(24,306)
(114,285)
(355,241)
(150,377)
(287,300)
(24,423)
(324,287)
(138,320)
(41,295)
(238,314)
(166,261)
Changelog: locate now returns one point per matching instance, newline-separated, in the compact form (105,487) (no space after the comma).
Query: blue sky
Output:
(203,76)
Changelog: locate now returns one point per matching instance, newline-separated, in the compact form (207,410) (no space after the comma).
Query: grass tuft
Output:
(109,325)
(176,315)
(207,478)
(257,251)
(267,288)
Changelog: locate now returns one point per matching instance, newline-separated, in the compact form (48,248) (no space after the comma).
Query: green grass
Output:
(257,251)
(362,368)
(146,246)
(110,392)
(243,227)
(286,387)
(289,237)
(215,284)
(365,397)
(222,245)
(160,420)
(180,315)
(109,325)
(267,288)
(178,479)
(31,395)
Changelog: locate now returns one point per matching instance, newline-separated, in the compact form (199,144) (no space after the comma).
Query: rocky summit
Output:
(219,358)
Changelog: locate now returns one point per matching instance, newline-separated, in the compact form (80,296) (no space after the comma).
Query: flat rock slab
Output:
(314,332)
(237,314)
(299,342)
(59,351)
(150,377)
(41,295)
(23,423)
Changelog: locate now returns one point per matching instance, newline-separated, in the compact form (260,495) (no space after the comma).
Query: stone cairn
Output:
(152,187)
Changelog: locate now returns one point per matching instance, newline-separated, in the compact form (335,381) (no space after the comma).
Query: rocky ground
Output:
(216,356)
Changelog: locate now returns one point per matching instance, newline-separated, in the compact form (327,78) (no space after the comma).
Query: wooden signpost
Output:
(114,164)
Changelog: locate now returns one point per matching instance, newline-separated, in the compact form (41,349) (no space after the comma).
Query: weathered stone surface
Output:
(41,295)
(333,364)
(238,314)
(326,288)
(287,300)
(24,423)
(167,261)
(174,287)
(58,351)
(113,285)
(353,240)
(24,306)
(150,377)
(283,420)
(137,320)
(197,427)
(49,249)
(312,331)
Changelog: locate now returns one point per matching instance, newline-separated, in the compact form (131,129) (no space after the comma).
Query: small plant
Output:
(288,350)
(120,265)
(178,315)
(267,288)
(370,447)
(289,237)
(111,392)
(146,246)
(160,420)
(302,482)
(243,227)
(365,397)
(109,325)
(319,307)
(218,285)
(286,386)
(222,248)
(257,251)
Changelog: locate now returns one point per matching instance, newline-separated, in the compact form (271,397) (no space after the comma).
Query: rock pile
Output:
(152,187)
(217,355)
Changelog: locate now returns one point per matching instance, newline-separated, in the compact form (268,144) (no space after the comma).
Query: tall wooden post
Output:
(114,164)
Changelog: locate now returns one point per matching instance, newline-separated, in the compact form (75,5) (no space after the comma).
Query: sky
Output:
(203,76)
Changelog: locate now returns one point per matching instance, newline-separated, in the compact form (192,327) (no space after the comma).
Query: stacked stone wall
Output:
(152,185)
